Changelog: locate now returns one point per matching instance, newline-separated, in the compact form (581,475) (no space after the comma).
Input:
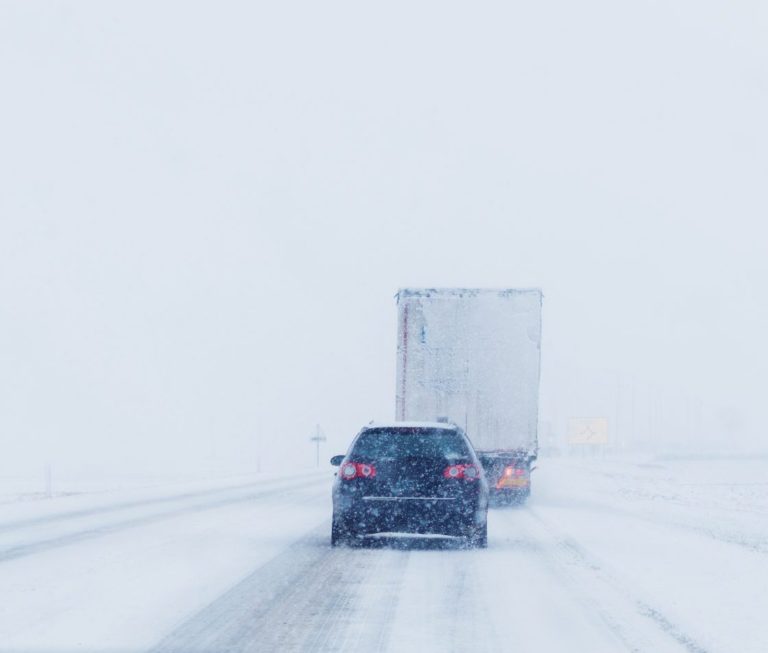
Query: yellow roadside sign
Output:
(588,430)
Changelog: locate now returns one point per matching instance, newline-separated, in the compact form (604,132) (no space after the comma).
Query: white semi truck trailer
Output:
(472,357)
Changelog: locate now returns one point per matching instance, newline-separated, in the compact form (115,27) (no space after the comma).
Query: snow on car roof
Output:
(411,425)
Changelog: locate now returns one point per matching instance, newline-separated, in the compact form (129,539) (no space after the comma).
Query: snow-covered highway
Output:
(609,555)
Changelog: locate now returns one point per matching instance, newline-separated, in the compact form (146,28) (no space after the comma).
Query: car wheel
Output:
(479,538)
(339,534)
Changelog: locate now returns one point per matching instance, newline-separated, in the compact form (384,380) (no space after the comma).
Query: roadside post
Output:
(317,438)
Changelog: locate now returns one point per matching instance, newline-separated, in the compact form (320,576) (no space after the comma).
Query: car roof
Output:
(446,426)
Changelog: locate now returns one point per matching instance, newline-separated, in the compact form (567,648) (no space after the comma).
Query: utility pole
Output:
(317,438)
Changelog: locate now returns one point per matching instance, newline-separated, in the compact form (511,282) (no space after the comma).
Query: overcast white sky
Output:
(207,207)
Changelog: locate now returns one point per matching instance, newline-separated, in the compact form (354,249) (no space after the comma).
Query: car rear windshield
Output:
(411,443)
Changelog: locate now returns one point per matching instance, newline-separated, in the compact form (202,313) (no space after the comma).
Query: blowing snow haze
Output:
(207,208)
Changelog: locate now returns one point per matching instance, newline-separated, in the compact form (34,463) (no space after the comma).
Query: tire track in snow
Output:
(756,543)
(730,534)
(142,503)
(465,603)
(378,603)
(40,546)
(667,626)
(443,601)
(311,597)
(601,593)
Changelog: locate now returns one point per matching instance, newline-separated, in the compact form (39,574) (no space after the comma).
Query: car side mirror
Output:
(336,460)
(532,468)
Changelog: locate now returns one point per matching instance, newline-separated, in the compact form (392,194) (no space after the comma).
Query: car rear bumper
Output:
(419,515)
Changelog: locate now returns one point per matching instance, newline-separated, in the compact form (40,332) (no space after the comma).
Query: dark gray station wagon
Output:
(410,478)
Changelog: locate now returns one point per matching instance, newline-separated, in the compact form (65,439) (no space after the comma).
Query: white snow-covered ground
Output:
(609,555)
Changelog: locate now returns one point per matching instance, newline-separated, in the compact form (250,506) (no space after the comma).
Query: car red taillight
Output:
(454,471)
(349,471)
(513,471)
(366,471)
(466,472)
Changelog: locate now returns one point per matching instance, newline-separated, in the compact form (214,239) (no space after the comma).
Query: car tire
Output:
(340,533)
(479,538)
